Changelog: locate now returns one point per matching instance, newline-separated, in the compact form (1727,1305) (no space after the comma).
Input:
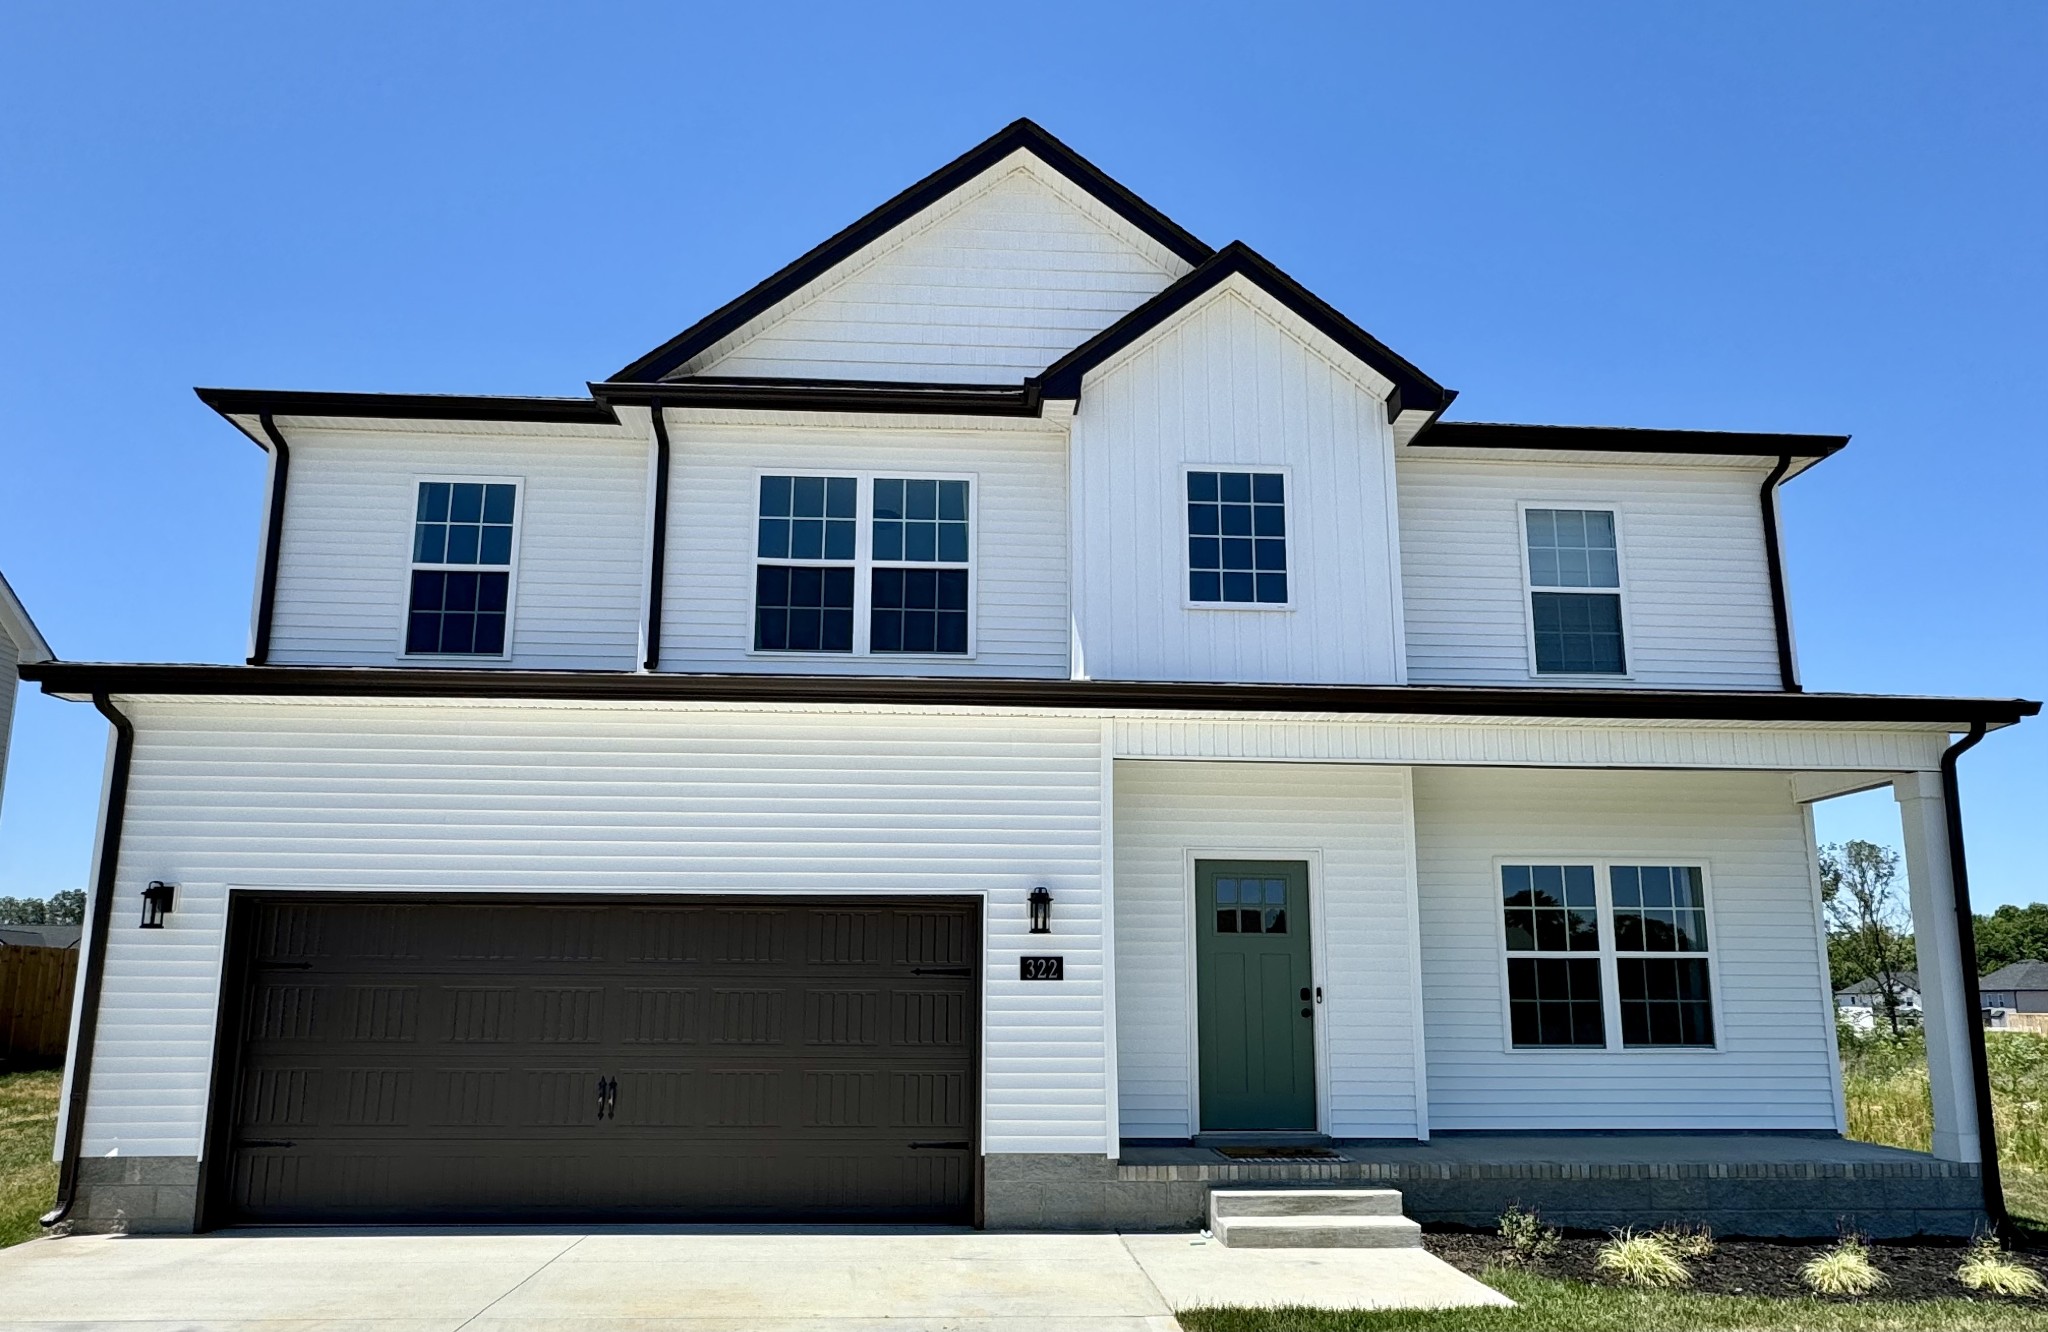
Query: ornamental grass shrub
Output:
(1843,1270)
(1990,1270)
(1641,1258)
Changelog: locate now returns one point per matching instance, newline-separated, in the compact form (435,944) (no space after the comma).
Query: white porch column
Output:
(1944,1001)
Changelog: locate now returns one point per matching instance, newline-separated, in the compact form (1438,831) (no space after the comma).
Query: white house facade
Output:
(20,642)
(1014,707)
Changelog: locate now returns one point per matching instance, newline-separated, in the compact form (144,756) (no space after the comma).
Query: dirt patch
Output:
(1915,1270)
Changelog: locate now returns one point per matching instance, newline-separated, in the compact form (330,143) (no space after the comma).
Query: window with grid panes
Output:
(1576,632)
(460,591)
(803,581)
(1660,948)
(918,585)
(1237,538)
(1550,917)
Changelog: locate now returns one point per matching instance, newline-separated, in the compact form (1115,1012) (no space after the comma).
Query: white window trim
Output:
(510,569)
(1621,590)
(863,563)
(1181,502)
(1608,954)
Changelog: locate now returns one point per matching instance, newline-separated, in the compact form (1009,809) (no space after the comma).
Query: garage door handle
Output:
(942,971)
(960,1146)
(607,1096)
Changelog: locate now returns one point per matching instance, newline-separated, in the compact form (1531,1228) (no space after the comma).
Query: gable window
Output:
(461,591)
(1237,538)
(864,565)
(1623,968)
(1575,632)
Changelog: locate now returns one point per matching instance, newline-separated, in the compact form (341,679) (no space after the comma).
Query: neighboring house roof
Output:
(73,679)
(40,936)
(1905,980)
(29,643)
(1021,135)
(2025,974)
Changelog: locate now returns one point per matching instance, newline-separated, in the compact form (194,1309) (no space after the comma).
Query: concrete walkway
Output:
(684,1279)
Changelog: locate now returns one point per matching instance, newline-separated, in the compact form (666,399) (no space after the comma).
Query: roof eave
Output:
(81,679)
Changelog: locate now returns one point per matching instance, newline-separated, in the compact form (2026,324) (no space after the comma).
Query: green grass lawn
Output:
(1547,1305)
(28,1129)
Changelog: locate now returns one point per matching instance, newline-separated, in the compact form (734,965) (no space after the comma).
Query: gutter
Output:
(657,558)
(273,538)
(94,961)
(1781,615)
(1966,944)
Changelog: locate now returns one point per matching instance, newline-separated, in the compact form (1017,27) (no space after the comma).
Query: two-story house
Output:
(1017,719)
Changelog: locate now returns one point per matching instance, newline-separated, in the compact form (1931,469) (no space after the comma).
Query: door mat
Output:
(1277,1153)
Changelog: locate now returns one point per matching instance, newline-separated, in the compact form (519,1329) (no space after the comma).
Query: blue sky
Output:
(1822,217)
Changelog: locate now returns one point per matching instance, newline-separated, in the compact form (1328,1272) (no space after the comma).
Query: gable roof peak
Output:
(1021,134)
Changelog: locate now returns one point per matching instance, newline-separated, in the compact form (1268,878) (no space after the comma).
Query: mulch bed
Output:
(1917,1270)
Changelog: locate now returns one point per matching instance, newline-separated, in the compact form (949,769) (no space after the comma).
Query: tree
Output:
(2011,934)
(64,908)
(1870,929)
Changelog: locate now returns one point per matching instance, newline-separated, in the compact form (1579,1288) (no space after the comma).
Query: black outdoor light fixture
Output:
(1041,910)
(156,904)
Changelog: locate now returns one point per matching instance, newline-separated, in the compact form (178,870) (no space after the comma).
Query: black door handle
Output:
(1308,1012)
(611,1098)
(1304,994)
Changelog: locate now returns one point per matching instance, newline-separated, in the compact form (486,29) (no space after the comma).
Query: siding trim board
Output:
(1020,135)
(78,679)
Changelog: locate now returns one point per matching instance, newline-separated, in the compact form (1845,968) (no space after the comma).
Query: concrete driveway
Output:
(685,1279)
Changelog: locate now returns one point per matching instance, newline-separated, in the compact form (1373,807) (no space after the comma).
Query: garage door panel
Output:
(793,1060)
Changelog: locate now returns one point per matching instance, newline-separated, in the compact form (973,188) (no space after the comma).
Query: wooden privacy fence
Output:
(35,1005)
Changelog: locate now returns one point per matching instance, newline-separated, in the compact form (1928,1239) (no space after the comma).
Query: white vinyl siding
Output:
(991,285)
(1697,588)
(1230,386)
(447,799)
(346,559)
(1772,1010)
(1019,586)
(1351,823)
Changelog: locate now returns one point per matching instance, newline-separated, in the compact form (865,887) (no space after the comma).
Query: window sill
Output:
(1571,677)
(1559,1051)
(1264,606)
(773,654)
(424,657)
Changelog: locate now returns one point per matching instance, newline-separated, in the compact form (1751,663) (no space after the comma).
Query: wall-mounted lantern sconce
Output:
(156,904)
(1041,910)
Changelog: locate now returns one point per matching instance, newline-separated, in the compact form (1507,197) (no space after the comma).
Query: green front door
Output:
(1255,1009)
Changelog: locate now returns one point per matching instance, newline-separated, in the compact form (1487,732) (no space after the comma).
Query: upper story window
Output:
(864,565)
(1237,538)
(1574,632)
(1627,968)
(459,603)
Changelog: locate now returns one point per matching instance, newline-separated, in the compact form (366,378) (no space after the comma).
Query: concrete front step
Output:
(1317,1232)
(1304,1202)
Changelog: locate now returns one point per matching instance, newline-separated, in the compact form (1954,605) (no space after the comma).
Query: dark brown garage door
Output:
(742,1060)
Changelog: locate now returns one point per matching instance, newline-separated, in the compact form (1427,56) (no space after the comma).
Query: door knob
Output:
(1307,1012)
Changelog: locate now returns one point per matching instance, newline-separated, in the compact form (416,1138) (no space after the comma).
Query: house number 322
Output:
(1041,968)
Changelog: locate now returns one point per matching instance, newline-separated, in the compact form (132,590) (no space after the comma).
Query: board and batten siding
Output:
(344,567)
(1773,1010)
(1696,587)
(990,285)
(1232,383)
(1020,548)
(1352,824)
(444,800)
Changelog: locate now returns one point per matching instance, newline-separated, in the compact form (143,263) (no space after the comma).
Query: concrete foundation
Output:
(1762,1185)
(137,1195)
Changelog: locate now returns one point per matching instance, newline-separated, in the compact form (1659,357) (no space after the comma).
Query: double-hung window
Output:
(1237,538)
(1576,631)
(459,602)
(1605,955)
(864,565)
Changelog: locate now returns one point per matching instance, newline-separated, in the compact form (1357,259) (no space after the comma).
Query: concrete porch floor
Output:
(685,1279)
